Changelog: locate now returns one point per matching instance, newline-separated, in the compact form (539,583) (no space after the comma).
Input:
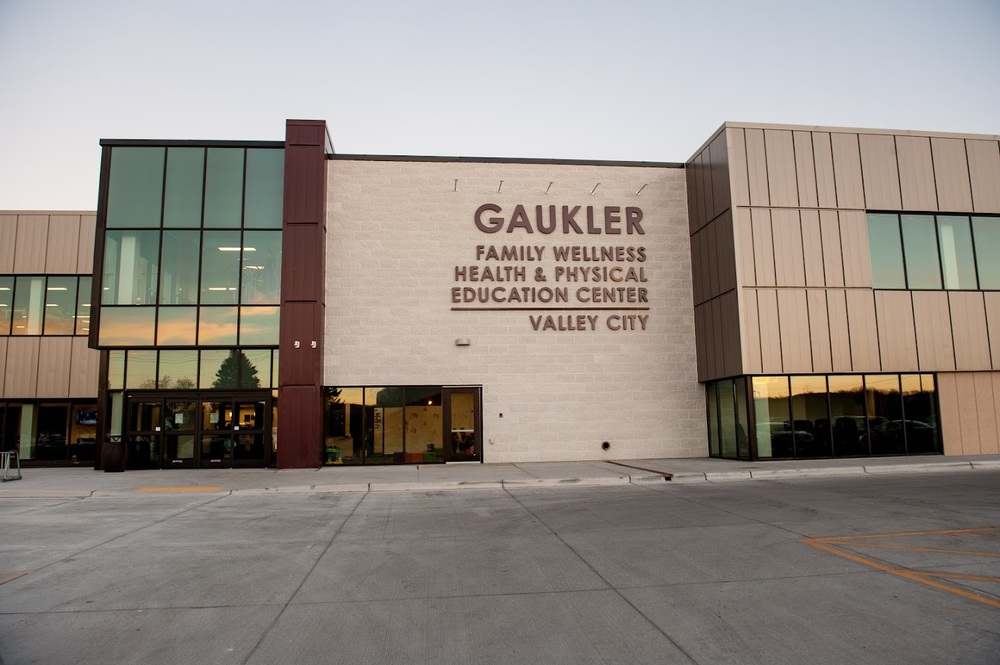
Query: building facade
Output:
(788,292)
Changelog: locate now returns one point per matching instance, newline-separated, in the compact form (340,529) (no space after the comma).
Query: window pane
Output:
(713,419)
(923,270)
(255,368)
(83,306)
(127,326)
(742,441)
(885,413)
(135,187)
(921,416)
(223,369)
(810,417)
(177,326)
(220,273)
(386,429)
(131,260)
(179,268)
(265,188)
(261,268)
(847,411)
(211,365)
(60,306)
(344,426)
(116,371)
(986,231)
(770,398)
(178,370)
(727,419)
(259,325)
(886,252)
(141,370)
(956,253)
(182,206)
(6,304)
(224,187)
(217,326)
(29,302)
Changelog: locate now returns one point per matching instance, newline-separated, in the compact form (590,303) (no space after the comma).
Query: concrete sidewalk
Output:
(84,482)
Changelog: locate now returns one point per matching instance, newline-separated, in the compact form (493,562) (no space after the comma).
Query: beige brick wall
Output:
(397,230)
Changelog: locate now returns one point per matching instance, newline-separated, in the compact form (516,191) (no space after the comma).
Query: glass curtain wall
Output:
(824,416)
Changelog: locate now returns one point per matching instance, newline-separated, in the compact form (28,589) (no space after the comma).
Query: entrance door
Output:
(463,425)
(145,433)
(192,431)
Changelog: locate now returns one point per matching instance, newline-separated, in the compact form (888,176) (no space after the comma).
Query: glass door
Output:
(462,431)
(145,433)
(217,443)
(250,433)
(180,432)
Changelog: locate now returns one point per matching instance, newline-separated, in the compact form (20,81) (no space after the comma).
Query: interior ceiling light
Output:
(56,288)
(236,249)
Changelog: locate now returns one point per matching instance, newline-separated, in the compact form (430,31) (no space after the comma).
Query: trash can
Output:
(114,454)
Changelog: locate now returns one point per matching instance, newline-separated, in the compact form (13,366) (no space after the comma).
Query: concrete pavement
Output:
(84,481)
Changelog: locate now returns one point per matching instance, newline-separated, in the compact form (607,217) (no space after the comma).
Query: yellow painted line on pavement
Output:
(939,550)
(911,575)
(190,488)
(8,575)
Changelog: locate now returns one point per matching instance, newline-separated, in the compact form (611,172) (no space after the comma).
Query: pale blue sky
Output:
(628,80)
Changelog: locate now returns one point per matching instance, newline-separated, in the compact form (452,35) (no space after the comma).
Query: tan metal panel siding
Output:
(54,355)
(951,175)
(29,249)
(743,237)
(819,331)
(8,237)
(727,252)
(833,259)
(763,247)
(968,325)
(3,363)
(770,332)
(840,332)
(847,170)
(967,413)
(879,171)
(812,248)
(750,326)
(733,359)
(826,183)
(916,173)
(21,372)
(896,337)
(951,430)
(782,188)
(985,405)
(85,255)
(984,170)
(63,246)
(738,166)
(719,153)
(805,169)
(992,299)
(854,248)
(757,167)
(789,269)
(85,366)
(994,410)
(796,353)
(935,347)
(864,333)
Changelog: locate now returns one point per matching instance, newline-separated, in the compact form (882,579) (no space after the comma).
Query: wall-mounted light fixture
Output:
(594,189)
(463,341)
(641,188)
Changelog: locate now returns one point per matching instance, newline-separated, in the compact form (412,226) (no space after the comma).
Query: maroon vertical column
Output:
(303,274)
